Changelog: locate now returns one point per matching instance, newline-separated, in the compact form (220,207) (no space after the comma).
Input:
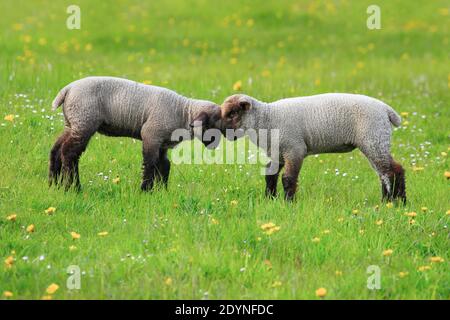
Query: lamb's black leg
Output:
(72,148)
(290,177)
(55,163)
(392,175)
(272,172)
(396,176)
(150,153)
(163,167)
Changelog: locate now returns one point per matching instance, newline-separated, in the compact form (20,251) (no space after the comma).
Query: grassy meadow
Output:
(203,237)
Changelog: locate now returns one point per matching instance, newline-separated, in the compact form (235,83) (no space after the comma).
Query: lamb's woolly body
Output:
(332,122)
(325,123)
(121,107)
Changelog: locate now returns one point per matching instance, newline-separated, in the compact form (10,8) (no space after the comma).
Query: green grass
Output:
(287,49)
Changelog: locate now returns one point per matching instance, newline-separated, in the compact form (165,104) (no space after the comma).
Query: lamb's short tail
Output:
(395,119)
(59,100)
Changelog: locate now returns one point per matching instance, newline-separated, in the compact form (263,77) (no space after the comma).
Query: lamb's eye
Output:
(232,114)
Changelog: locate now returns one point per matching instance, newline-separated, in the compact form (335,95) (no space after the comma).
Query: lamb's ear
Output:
(245,105)
(199,121)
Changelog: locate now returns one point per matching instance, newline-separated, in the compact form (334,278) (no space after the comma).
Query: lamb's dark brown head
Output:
(234,109)
(204,124)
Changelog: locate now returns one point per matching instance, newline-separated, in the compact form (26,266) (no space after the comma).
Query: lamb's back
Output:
(121,104)
(328,121)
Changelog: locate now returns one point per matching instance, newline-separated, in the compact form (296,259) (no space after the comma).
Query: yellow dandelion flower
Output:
(447,174)
(321,292)
(88,47)
(338,273)
(102,234)
(30,228)
(27,38)
(50,210)
(265,73)
(148,82)
(72,248)
(9,262)
(11,217)
(379,222)
(17,26)
(411,214)
(362,231)
(436,259)
(417,169)
(116,180)
(443,11)
(277,284)
(9,117)
(315,240)
(448,212)
(271,231)
(75,235)
(424,268)
(389,205)
(326,231)
(404,114)
(355,211)
(42,41)
(46,297)
(411,221)
(214,221)
(168,281)
(317,82)
(268,263)
(403,274)
(233,61)
(237,86)
(7,294)
(388,252)
(267,226)
(234,202)
(443,154)
(341,219)
(424,209)
(148,69)
(51,289)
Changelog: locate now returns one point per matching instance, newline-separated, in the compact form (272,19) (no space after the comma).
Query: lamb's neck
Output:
(262,115)
(191,109)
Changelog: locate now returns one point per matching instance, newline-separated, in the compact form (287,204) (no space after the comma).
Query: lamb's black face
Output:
(207,127)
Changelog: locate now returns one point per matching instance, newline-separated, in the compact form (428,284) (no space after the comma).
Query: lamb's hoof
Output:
(271,195)
(289,198)
(396,200)
(146,186)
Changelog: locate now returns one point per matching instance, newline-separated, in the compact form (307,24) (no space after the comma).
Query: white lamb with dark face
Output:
(325,123)
(120,107)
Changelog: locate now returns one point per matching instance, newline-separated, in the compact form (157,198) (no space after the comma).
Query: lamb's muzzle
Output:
(120,107)
(326,123)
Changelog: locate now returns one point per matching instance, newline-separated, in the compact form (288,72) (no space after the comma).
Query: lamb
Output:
(120,107)
(325,123)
